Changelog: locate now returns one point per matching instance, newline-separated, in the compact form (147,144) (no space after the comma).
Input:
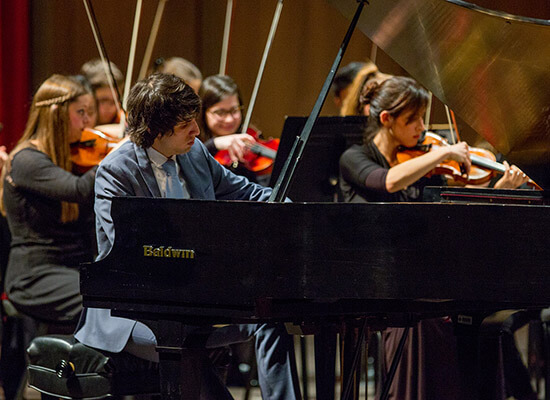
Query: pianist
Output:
(164,159)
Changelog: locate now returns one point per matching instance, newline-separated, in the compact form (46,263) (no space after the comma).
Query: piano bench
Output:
(61,367)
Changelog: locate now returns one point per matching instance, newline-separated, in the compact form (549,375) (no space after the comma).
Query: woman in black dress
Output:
(49,208)
(371,173)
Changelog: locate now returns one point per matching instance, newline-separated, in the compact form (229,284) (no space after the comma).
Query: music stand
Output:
(316,176)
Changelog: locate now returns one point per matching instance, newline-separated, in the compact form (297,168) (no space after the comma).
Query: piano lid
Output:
(490,67)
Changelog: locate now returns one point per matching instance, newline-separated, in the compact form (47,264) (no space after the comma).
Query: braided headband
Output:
(55,100)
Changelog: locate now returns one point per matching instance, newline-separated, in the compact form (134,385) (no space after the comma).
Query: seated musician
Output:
(48,208)
(343,80)
(221,121)
(163,159)
(351,104)
(182,68)
(371,173)
(94,72)
(92,110)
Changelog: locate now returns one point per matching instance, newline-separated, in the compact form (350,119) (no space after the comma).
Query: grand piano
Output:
(172,264)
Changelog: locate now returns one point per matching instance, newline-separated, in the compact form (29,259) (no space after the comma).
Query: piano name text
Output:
(167,252)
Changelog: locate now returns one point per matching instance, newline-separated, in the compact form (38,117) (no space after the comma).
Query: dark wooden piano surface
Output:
(296,261)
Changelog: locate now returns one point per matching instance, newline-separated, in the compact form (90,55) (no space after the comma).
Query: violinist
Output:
(94,72)
(371,172)
(183,69)
(343,80)
(92,111)
(351,103)
(221,121)
(48,208)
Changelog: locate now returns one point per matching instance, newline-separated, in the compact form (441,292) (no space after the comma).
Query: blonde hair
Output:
(351,104)
(47,130)
(180,67)
(94,72)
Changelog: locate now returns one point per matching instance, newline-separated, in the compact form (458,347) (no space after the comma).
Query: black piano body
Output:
(174,262)
(248,261)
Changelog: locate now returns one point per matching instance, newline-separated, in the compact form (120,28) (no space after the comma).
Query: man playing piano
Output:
(163,159)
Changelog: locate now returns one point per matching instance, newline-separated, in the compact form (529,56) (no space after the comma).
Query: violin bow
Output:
(226,36)
(103,53)
(455,126)
(152,39)
(452,128)
(428,114)
(132,55)
(270,37)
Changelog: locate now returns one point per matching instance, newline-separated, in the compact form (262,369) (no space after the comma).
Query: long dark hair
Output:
(396,95)
(213,90)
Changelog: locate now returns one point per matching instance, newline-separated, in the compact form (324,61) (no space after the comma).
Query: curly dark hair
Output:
(157,104)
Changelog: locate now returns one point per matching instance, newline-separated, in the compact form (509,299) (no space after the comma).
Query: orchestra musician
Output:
(351,104)
(343,80)
(48,208)
(94,72)
(371,173)
(182,68)
(92,110)
(163,159)
(221,121)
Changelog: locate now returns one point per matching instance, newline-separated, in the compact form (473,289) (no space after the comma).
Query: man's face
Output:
(180,141)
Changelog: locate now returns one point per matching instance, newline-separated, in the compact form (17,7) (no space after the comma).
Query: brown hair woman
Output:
(47,206)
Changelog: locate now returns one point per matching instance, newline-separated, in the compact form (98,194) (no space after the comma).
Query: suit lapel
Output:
(147,171)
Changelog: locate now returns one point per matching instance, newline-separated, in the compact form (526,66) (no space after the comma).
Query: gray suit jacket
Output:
(127,171)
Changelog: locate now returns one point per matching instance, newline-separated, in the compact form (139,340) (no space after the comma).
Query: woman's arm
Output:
(33,171)
(402,175)
(235,144)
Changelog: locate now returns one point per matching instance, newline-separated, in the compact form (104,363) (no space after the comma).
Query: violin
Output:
(259,158)
(92,147)
(484,164)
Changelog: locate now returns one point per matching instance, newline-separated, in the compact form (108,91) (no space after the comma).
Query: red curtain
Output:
(14,69)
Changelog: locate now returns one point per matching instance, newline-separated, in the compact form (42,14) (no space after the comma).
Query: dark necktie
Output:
(174,188)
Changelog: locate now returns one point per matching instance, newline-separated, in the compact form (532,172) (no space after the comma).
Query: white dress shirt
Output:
(157,159)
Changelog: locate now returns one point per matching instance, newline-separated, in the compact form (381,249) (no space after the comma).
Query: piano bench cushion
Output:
(60,366)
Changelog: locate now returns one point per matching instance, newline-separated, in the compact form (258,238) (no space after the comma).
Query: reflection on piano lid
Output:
(492,68)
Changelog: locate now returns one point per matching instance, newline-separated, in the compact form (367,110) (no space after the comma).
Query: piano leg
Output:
(185,368)
(180,375)
(325,358)
(352,349)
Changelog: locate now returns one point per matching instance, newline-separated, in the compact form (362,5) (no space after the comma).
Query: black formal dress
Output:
(429,367)
(42,278)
